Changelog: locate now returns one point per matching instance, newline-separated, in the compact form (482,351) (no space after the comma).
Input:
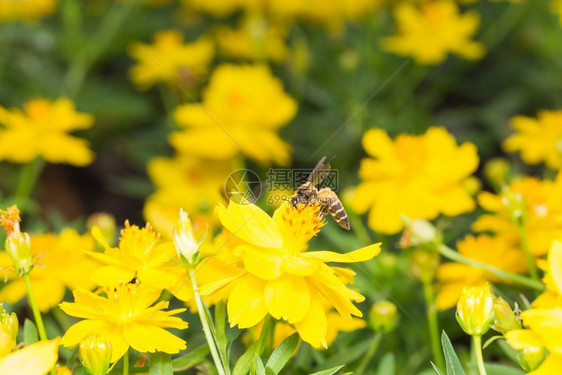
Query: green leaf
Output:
(283,353)
(349,354)
(330,371)
(244,363)
(220,324)
(387,365)
(260,368)
(499,369)
(439,372)
(30,335)
(191,359)
(452,362)
(160,364)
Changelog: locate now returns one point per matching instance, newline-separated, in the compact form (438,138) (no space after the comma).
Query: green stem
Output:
(126,363)
(35,308)
(265,332)
(506,276)
(28,177)
(370,354)
(477,340)
(431,311)
(211,341)
(527,250)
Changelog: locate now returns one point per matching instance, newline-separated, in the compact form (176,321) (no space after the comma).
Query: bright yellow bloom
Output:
(141,255)
(27,10)
(35,359)
(242,109)
(538,140)
(537,200)
(255,39)
(475,309)
(279,277)
(434,29)
(416,176)
(169,59)
(40,130)
(188,183)
(498,252)
(60,264)
(125,318)
(552,297)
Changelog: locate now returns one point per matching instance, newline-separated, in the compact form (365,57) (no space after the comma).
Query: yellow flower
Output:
(254,39)
(279,277)
(141,255)
(538,140)
(537,201)
(27,10)
(432,30)
(125,318)
(416,176)
(35,359)
(60,264)
(551,297)
(169,59)
(495,251)
(188,183)
(242,109)
(475,309)
(40,130)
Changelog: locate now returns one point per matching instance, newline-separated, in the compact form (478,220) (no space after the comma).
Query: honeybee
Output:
(307,193)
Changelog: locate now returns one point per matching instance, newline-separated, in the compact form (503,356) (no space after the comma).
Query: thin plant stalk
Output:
(29,174)
(527,250)
(35,308)
(477,341)
(370,354)
(126,363)
(433,324)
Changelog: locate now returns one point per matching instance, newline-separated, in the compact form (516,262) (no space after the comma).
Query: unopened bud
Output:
(423,264)
(497,171)
(515,204)
(9,324)
(106,223)
(18,246)
(472,185)
(505,318)
(475,309)
(184,239)
(531,357)
(383,316)
(95,354)
(419,232)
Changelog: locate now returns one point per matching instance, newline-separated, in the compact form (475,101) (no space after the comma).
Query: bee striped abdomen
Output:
(334,206)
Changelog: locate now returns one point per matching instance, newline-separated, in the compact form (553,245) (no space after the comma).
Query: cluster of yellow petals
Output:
(41,130)
(26,10)
(126,317)
(416,176)
(277,276)
(241,111)
(169,59)
(540,204)
(432,30)
(498,252)
(537,139)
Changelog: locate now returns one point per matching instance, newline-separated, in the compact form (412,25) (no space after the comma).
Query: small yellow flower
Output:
(475,309)
(169,59)
(40,130)
(495,251)
(537,139)
(61,264)
(125,317)
(279,277)
(415,176)
(244,106)
(434,29)
(35,359)
(95,354)
(26,10)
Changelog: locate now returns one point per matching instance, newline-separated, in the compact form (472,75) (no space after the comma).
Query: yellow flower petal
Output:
(360,255)
(287,298)
(36,359)
(246,304)
(521,338)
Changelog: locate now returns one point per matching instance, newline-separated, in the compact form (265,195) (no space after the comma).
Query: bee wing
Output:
(319,172)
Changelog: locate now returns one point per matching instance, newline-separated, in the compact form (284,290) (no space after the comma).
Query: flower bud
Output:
(497,171)
(505,318)
(531,357)
(515,204)
(18,246)
(95,354)
(475,309)
(9,324)
(106,223)
(184,239)
(423,264)
(383,316)
(419,232)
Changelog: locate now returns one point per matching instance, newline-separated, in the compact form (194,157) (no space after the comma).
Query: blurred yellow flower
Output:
(538,140)
(495,251)
(255,39)
(60,263)
(432,30)
(188,183)
(242,109)
(125,317)
(537,201)
(35,359)
(556,7)
(169,59)
(416,176)
(27,10)
(141,255)
(279,277)
(40,130)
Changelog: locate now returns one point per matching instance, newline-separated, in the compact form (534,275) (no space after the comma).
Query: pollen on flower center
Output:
(302,222)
